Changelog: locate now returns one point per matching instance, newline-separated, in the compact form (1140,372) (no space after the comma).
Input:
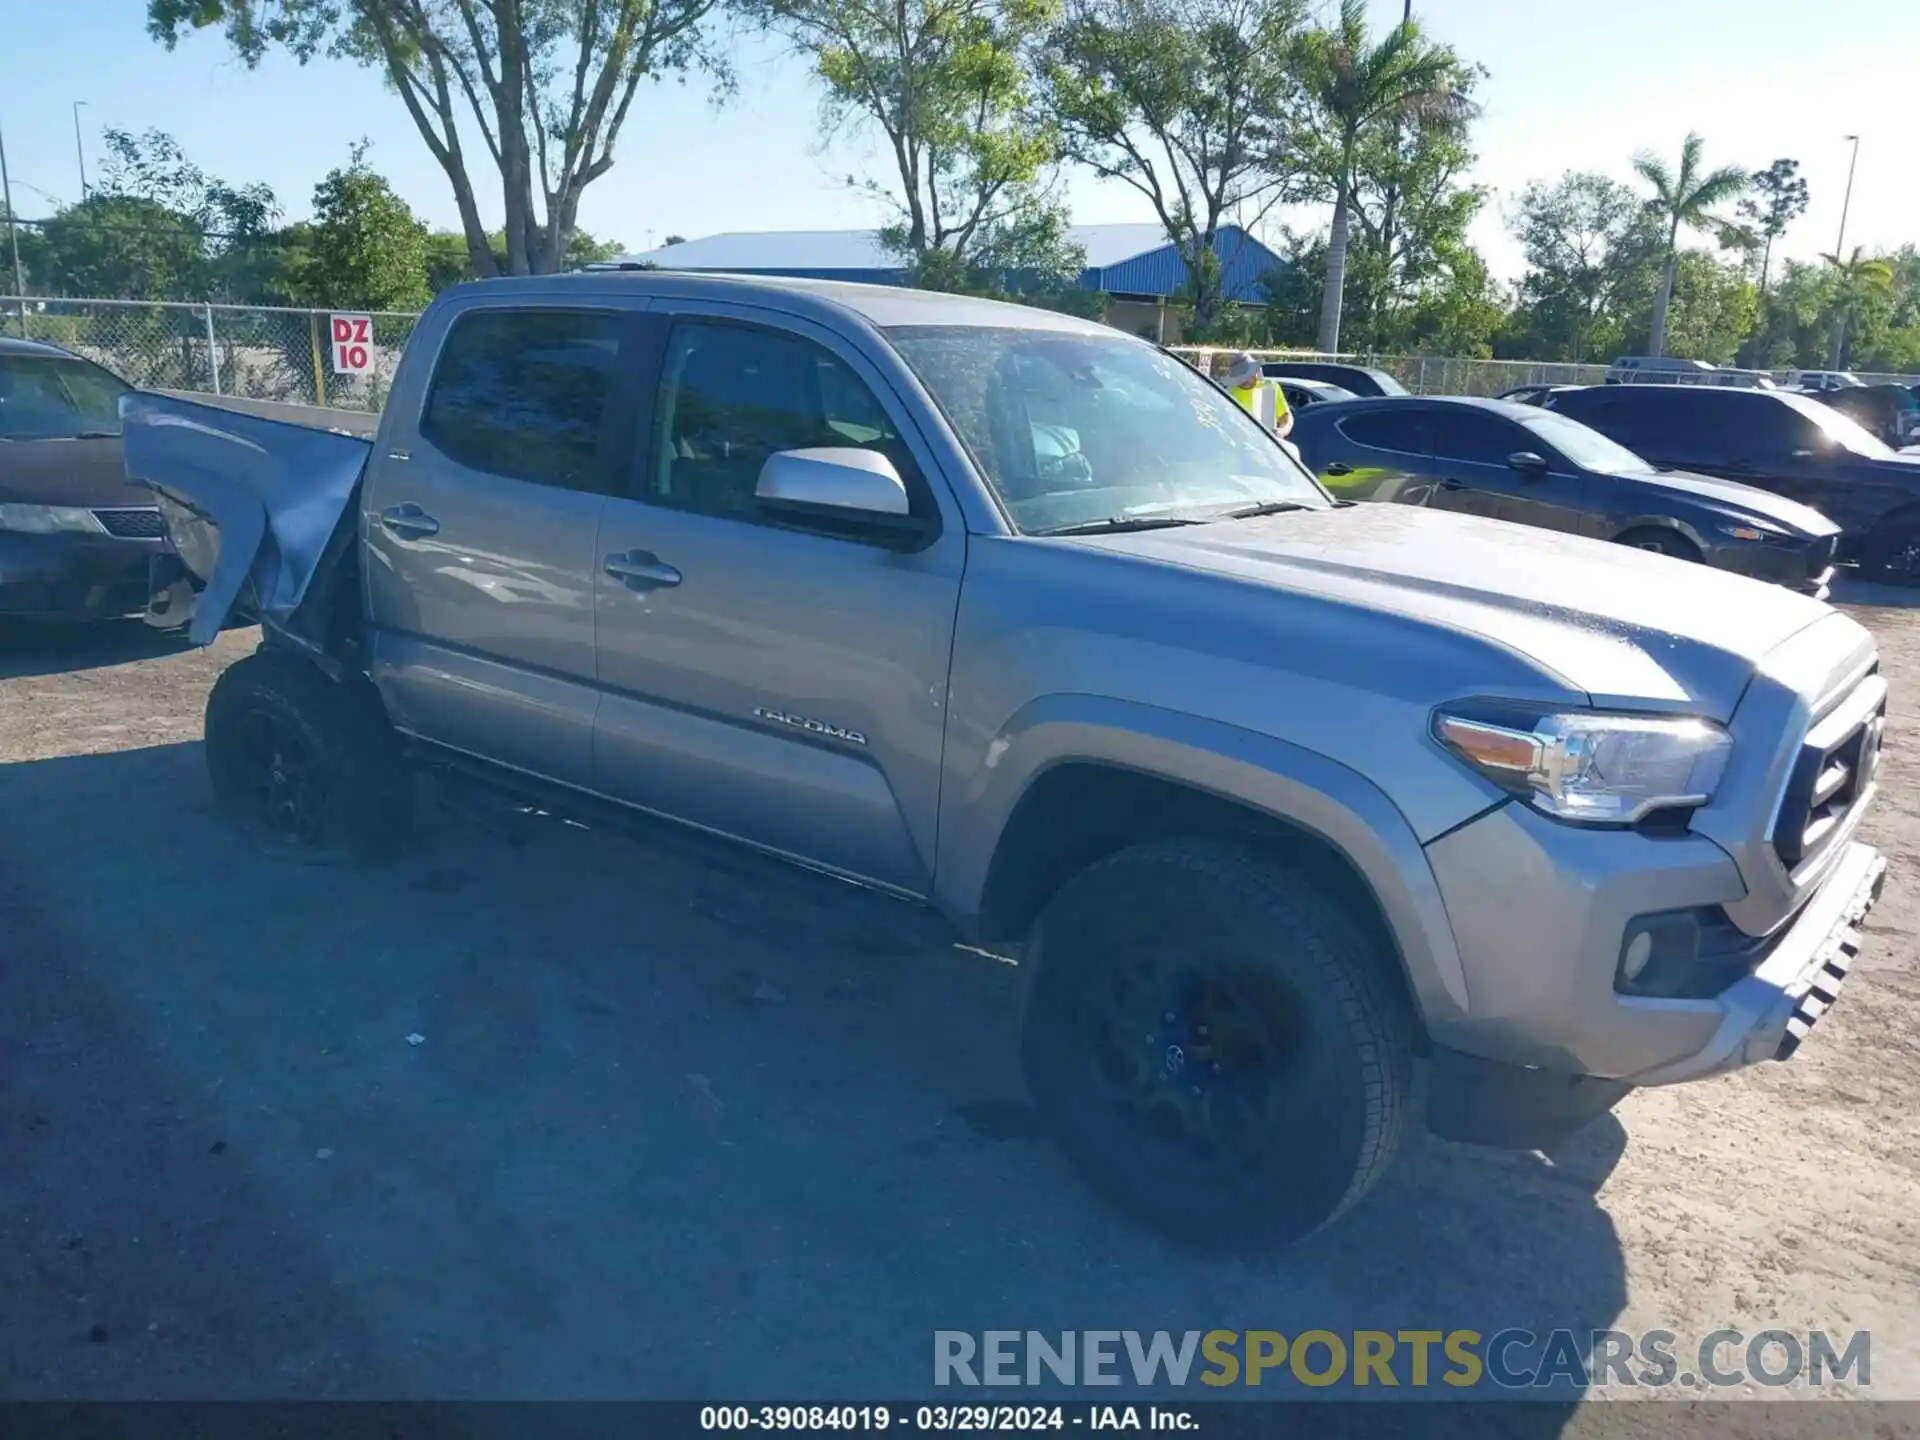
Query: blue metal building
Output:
(1129,261)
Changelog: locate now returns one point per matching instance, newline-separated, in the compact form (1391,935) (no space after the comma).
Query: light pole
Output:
(13,233)
(1840,245)
(79,149)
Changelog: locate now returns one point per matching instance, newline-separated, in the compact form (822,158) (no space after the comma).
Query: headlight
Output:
(1593,767)
(48,519)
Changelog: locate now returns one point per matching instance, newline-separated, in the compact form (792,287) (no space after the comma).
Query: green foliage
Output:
(1592,254)
(1194,104)
(947,86)
(367,249)
(1361,89)
(1686,199)
(545,84)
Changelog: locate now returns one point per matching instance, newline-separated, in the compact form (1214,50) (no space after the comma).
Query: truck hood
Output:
(1631,629)
(1787,514)
(254,506)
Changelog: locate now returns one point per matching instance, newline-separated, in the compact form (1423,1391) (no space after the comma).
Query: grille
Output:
(132,524)
(1834,772)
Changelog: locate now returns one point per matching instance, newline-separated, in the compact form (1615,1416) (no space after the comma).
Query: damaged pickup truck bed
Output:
(1014,615)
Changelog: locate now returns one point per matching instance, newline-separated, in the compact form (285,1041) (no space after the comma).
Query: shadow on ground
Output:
(677,1123)
(50,647)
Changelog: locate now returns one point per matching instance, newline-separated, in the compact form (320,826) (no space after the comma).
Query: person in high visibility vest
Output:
(1260,396)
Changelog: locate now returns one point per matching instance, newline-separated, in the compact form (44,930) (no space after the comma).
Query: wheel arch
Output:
(1087,790)
(1670,523)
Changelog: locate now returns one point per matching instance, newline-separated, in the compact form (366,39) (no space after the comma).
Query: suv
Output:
(1535,467)
(1791,444)
(1014,615)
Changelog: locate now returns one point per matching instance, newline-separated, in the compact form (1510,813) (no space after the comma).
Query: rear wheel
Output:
(306,765)
(1662,542)
(1222,1047)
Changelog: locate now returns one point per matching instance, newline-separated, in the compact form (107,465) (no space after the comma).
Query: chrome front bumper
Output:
(1766,1015)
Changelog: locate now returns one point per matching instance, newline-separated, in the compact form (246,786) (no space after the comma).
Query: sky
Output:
(1573,84)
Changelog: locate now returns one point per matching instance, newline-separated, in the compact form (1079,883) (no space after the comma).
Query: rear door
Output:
(1373,455)
(481,517)
(781,685)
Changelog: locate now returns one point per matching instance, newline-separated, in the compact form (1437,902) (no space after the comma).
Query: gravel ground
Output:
(687,1123)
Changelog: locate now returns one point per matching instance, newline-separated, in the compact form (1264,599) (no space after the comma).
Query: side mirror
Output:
(1527,463)
(837,487)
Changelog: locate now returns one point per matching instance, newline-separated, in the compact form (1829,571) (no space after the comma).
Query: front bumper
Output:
(1766,1015)
(76,576)
(1806,568)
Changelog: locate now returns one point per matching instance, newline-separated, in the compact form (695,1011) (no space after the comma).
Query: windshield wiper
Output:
(1120,524)
(1265,507)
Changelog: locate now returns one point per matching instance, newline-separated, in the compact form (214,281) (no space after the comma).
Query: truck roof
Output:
(884,306)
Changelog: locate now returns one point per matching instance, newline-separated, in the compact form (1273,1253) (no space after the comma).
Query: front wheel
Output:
(305,764)
(1222,1046)
(1893,557)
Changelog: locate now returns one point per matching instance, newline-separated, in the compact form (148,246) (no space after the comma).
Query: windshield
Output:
(1072,429)
(51,397)
(1842,430)
(1583,445)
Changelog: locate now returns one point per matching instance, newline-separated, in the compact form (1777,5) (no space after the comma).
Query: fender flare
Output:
(1270,777)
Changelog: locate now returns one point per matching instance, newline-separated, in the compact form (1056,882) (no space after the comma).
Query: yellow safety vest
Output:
(1249,399)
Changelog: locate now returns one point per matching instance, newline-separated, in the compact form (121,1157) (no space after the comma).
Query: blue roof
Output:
(1121,259)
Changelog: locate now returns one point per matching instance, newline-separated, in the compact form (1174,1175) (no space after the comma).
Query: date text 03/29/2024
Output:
(944,1418)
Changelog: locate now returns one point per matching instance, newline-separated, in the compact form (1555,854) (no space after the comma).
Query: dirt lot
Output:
(694,1124)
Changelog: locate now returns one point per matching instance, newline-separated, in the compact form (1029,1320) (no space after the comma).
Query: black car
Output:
(1777,440)
(76,538)
(1302,393)
(1532,466)
(1532,394)
(1362,380)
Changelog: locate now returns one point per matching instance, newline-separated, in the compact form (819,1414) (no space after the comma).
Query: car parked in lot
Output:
(75,538)
(1776,440)
(1358,379)
(1302,393)
(1012,614)
(1535,467)
(1531,394)
(1891,413)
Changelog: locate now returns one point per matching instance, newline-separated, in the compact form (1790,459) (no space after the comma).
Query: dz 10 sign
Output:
(352,344)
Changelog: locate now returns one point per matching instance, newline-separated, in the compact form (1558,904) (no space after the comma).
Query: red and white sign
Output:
(352,344)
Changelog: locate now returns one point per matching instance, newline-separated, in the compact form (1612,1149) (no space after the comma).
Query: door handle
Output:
(1336,468)
(641,570)
(409,521)
(1453,484)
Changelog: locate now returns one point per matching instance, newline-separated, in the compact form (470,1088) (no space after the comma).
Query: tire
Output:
(1892,557)
(1661,542)
(1307,1046)
(307,765)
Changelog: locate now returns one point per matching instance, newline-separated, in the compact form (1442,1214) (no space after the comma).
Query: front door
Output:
(482,516)
(780,685)
(1471,449)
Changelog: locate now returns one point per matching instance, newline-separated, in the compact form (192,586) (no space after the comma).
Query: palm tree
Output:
(1356,85)
(1685,200)
(1860,277)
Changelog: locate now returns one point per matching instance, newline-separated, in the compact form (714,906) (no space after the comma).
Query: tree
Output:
(1860,277)
(1589,247)
(1358,86)
(546,84)
(369,252)
(1191,103)
(1684,199)
(1779,197)
(119,247)
(1411,211)
(947,85)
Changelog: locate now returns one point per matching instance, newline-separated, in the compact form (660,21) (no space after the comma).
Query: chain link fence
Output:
(253,352)
(259,352)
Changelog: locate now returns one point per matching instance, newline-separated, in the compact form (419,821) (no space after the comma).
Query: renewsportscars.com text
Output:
(1511,1359)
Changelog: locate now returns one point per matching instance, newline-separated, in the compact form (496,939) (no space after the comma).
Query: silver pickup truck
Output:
(1004,612)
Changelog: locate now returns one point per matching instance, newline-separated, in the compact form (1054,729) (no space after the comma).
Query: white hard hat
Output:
(1242,371)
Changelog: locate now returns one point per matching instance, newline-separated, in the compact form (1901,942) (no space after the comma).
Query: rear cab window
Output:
(525,394)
